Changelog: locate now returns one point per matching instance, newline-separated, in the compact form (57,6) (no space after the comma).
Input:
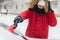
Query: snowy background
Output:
(54,32)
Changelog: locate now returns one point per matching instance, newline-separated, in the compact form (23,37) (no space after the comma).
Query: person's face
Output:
(40,7)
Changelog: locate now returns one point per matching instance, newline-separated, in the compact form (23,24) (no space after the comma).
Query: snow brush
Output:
(5,26)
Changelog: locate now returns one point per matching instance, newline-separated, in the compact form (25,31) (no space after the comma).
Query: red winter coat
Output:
(38,25)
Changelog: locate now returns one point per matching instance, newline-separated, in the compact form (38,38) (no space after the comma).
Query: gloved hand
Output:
(18,19)
(49,7)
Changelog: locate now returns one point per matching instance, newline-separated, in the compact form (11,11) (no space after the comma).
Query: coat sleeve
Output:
(52,19)
(25,14)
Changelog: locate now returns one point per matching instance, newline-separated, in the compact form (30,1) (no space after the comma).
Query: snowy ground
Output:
(54,32)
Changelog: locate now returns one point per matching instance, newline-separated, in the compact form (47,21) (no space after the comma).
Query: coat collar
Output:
(37,10)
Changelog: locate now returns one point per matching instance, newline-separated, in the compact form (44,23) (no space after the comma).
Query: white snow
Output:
(6,35)
(54,32)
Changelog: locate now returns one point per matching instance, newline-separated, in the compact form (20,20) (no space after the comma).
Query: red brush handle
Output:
(11,28)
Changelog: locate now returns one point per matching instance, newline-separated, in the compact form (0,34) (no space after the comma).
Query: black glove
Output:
(49,7)
(15,25)
(18,19)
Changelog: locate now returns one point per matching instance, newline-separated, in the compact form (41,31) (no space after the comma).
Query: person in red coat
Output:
(38,20)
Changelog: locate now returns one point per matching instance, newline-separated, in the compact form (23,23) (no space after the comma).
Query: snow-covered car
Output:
(6,35)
